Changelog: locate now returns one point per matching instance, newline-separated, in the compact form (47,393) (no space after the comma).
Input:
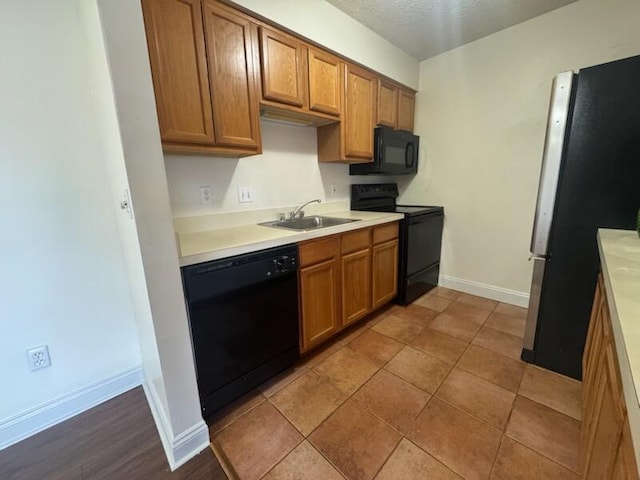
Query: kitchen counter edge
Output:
(217,244)
(620,260)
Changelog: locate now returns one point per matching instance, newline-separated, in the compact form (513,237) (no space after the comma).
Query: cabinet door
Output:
(325,82)
(387,111)
(283,68)
(356,285)
(607,422)
(385,272)
(318,295)
(231,51)
(597,338)
(175,39)
(406,110)
(588,358)
(359,112)
(625,467)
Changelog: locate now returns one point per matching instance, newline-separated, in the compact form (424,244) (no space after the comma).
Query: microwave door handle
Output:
(408,159)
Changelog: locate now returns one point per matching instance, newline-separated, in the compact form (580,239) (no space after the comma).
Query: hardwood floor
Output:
(115,440)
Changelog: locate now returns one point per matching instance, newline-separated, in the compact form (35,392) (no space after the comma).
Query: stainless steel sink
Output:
(309,223)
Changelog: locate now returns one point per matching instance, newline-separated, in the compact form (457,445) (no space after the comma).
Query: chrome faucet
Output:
(298,212)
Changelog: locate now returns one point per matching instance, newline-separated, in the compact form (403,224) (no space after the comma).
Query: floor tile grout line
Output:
(501,432)
(219,431)
(432,456)
(531,447)
(388,458)
(530,365)
(495,460)
(344,475)
(304,439)
(542,455)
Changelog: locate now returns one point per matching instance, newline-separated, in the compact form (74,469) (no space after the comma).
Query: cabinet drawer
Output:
(315,251)
(357,240)
(384,233)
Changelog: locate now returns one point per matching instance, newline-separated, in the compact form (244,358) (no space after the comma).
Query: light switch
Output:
(245,194)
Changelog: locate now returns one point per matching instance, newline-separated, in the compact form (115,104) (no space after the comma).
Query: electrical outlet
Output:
(205,195)
(38,357)
(245,194)
(334,189)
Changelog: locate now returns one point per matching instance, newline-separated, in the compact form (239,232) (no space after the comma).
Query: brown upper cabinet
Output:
(359,112)
(175,37)
(203,64)
(406,110)
(215,69)
(352,139)
(387,104)
(284,68)
(396,106)
(325,82)
(298,80)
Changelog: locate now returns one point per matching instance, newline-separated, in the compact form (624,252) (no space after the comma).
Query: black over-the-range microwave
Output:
(394,153)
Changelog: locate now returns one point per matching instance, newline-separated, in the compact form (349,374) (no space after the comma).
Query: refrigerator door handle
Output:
(539,264)
(552,157)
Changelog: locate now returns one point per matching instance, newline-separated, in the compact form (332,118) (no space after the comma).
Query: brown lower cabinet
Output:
(384,259)
(356,285)
(606,448)
(343,278)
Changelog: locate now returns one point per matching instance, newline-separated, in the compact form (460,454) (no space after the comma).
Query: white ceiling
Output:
(425,28)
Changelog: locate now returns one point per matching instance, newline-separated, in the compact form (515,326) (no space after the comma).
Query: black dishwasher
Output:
(243,312)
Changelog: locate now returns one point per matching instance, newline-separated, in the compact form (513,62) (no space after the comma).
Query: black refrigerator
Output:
(590,179)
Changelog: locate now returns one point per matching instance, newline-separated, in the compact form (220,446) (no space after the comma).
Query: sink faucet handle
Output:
(298,213)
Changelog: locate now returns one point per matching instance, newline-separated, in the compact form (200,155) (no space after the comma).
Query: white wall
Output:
(63,280)
(286,173)
(170,385)
(323,23)
(118,183)
(481,113)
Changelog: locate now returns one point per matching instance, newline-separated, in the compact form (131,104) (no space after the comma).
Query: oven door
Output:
(420,242)
(423,242)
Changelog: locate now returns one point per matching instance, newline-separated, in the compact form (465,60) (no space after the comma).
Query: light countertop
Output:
(202,246)
(620,259)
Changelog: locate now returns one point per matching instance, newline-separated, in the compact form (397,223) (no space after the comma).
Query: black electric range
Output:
(420,237)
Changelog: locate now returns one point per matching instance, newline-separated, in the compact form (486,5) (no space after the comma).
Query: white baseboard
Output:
(513,297)
(180,448)
(39,418)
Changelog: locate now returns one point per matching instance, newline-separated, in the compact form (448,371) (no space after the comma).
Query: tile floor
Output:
(434,390)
